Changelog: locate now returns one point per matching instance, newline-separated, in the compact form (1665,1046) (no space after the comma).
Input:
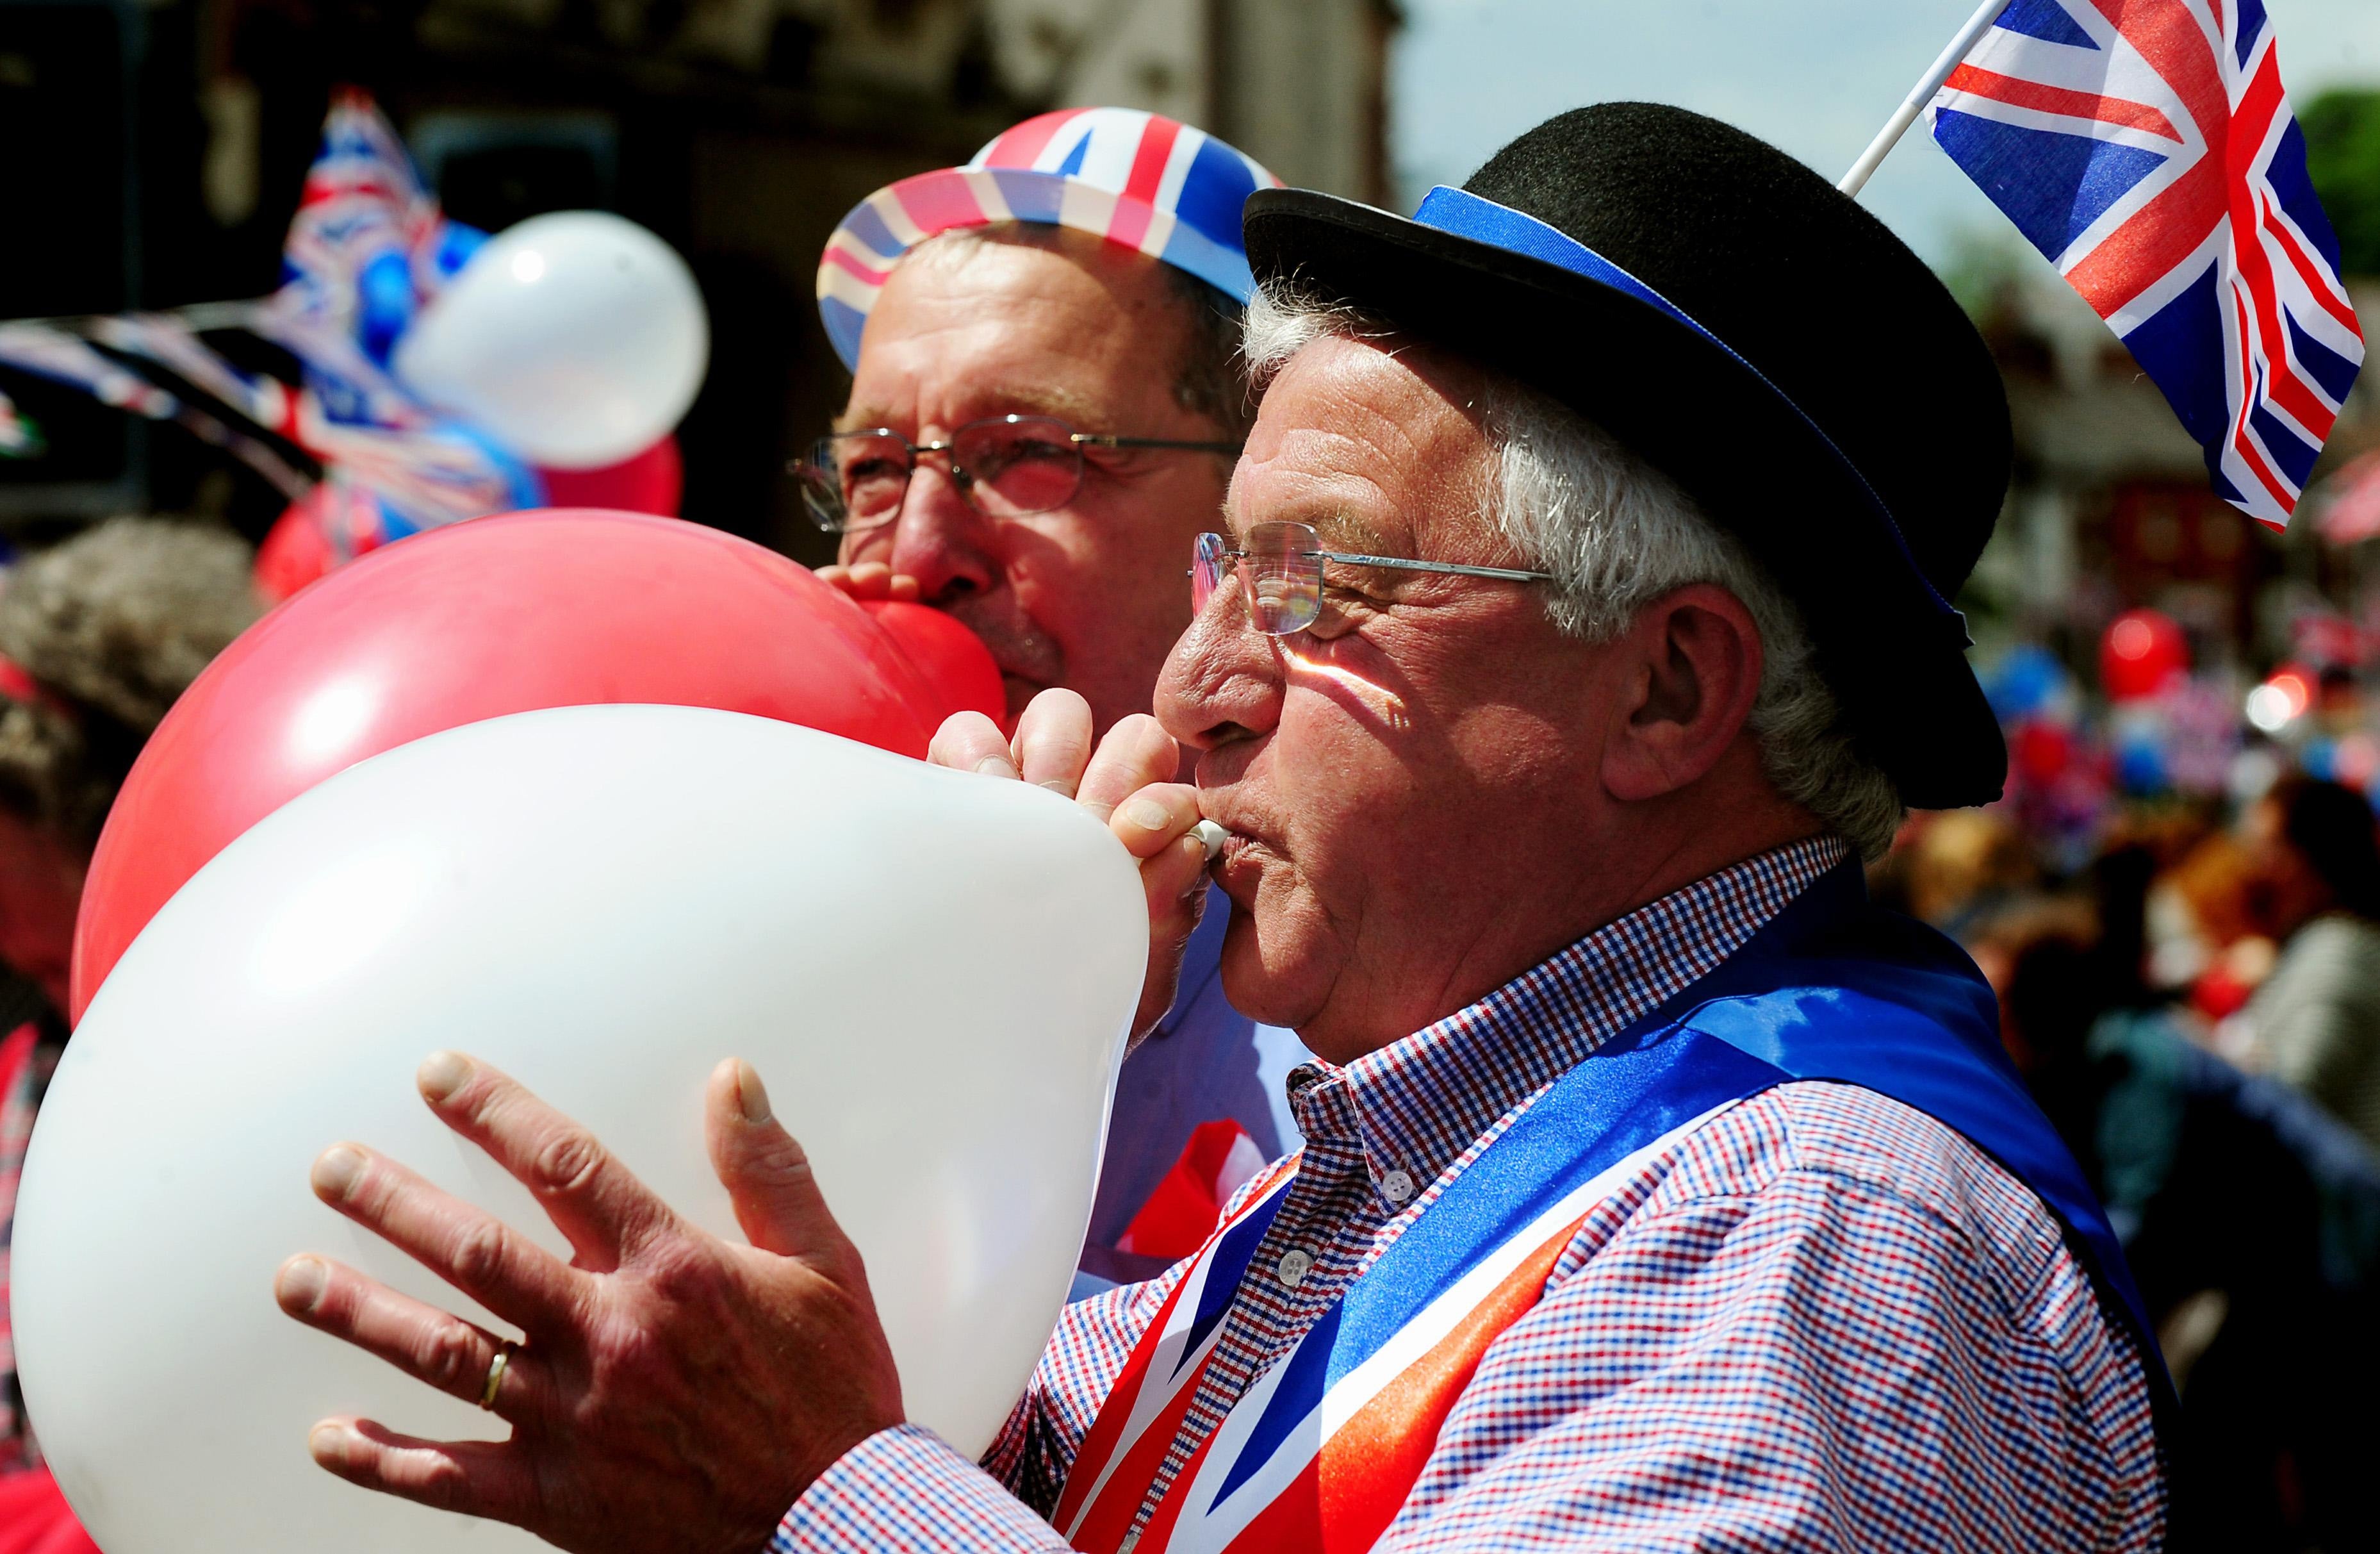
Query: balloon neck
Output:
(955,666)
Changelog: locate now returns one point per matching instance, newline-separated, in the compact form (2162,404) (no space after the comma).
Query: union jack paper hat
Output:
(1136,179)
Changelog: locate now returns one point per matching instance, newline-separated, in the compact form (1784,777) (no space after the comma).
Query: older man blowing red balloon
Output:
(1046,395)
(1658,1191)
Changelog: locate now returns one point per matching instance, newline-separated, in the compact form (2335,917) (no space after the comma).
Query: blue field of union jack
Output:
(2148,148)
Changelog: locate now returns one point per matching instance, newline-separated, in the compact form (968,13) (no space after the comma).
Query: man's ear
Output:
(1688,673)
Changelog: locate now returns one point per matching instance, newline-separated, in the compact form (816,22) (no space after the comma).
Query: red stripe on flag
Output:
(1101,1442)
(1021,145)
(1159,1534)
(1294,1521)
(1134,207)
(1374,1459)
(2060,99)
(2178,49)
(938,201)
(2241,441)
(1145,1453)
(2154,243)
(2259,106)
(843,261)
(2317,277)
(2171,226)
(1149,161)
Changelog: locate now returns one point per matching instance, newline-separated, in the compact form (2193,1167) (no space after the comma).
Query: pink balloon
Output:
(495,616)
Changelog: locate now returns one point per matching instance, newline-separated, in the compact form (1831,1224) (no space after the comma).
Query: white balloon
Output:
(934,973)
(576,339)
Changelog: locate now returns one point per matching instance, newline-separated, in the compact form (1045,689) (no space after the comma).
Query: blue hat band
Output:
(1464,214)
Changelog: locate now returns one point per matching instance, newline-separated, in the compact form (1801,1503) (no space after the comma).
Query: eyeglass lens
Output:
(1280,573)
(1010,465)
(1211,561)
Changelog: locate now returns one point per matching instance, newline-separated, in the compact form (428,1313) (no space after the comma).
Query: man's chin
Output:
(1255,992)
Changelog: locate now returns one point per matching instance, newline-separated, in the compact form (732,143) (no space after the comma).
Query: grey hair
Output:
(1619,534)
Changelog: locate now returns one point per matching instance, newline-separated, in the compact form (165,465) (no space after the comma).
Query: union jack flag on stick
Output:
(2147,148)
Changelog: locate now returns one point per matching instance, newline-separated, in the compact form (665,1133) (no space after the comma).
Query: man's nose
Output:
(941,539)
(1224,680)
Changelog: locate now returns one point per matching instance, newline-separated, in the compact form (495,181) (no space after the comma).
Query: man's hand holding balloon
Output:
(676,1390)
(1127,782)
(870,580)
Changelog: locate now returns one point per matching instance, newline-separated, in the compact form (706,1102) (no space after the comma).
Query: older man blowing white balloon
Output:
(1657,1189)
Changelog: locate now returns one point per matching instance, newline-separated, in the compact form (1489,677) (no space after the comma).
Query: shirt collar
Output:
(1417,1104)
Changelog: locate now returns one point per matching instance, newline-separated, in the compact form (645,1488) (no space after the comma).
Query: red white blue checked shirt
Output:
(1822,1320)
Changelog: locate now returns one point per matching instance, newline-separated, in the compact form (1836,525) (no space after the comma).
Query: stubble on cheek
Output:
(1027,656)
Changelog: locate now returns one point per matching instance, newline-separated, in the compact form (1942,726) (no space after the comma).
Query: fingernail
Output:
(299,1287)
(996,766)
(750,1094)
(442,1073)
(1058,785)
(337,1171)
(1145,813)
(328,1442)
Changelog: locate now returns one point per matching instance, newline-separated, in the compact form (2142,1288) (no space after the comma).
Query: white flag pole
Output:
(1889,137)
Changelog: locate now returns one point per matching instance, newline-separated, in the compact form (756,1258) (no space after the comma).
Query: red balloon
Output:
(652,482)
(35,1518)
(499,616)
(952,658)
(2041,751)
(293,554)
(2142,652)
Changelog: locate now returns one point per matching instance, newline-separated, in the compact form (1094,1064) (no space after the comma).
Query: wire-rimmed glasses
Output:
(1281,572)
(1004,466)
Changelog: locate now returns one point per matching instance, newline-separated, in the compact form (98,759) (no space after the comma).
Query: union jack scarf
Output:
(1322,1451)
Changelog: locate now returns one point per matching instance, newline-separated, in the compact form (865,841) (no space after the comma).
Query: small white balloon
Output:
(576,339)
(933,972)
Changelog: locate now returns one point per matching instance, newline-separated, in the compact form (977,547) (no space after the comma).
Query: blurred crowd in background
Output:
(2177,900)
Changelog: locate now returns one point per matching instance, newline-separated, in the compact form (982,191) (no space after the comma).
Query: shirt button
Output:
(1293,1269)
(1396,1187)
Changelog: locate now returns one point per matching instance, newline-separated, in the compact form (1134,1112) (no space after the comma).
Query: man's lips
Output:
(1239,865)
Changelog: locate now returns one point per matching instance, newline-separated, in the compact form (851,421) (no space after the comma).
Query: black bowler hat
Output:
(1753,332)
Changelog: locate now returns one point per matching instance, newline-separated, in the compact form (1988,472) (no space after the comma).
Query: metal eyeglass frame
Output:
(818,467)
(1212,556)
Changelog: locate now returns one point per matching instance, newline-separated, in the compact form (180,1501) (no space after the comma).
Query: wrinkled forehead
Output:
(990,323)
(1379,443)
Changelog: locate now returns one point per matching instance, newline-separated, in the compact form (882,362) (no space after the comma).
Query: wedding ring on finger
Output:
(495,1381)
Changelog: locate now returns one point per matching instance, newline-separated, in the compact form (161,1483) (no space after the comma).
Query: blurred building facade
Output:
(172,141)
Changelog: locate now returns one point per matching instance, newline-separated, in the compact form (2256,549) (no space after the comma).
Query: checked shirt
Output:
(1821,1320)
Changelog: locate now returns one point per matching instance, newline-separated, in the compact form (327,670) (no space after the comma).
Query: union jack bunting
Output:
(2148,148)
(65,358)
(362,199)
(19,438)
(1133,178)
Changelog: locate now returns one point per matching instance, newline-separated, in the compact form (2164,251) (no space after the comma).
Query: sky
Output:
(1818,78)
